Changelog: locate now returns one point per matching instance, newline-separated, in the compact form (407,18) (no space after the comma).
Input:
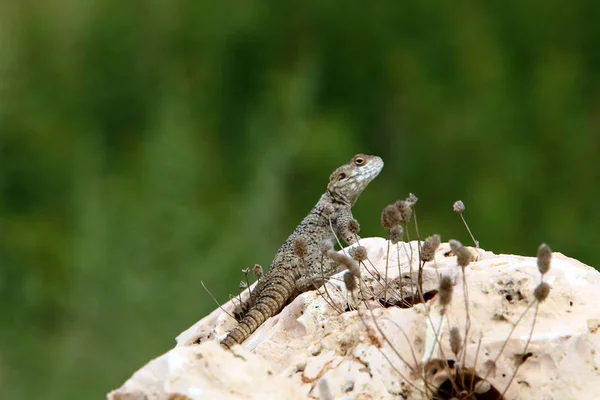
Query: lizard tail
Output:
(272,299)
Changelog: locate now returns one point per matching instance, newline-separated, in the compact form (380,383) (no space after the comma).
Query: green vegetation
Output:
(146,146)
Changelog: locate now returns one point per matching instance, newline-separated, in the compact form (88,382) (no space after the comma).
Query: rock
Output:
(206,371)
(319,345)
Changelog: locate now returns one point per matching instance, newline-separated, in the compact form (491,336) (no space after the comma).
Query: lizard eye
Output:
(341,176)
(359,161)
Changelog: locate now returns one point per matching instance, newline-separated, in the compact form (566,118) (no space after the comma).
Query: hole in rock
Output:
(408,301)
(463,384)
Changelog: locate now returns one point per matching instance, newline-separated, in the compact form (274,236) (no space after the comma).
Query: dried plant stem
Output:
(421,265)
(385,338)
(475,362)
(468,317)
(420,280)
(409,257)
(410,268)
(438,341)
(247,281)
(328,299)
(412,352)
(322,273)
(215,299)
(370,292)
(408,240)
(337,239)
(469,230)
(376,278)
(535,314)
(508,338)
(417,229)
(383,335)
(438,337)
(387,261)
(399,272)
(436,332)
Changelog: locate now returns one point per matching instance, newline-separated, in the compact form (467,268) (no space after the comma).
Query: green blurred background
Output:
(148,145)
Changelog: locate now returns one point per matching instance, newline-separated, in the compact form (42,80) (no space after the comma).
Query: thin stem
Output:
(376,278)
(507,339)
(387,260)
(469,230)
(215,299)
(332,303)
(421,265)
(247,281)
(468,317)
(336,236)
(420,281)
(399,272)
(395,351)
(537,307)
(475,363)
(412,288)
(411,249)
(384,337)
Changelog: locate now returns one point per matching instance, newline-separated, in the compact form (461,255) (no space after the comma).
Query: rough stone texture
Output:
(315,339)
(206,371)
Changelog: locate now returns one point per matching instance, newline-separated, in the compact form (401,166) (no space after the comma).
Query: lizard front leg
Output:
(343,222)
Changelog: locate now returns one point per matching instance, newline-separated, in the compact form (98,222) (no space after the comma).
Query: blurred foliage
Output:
(146,146)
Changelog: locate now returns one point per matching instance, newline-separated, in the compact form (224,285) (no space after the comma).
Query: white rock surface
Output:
(381,353)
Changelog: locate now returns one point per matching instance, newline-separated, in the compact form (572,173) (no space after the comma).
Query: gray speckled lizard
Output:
(282,283)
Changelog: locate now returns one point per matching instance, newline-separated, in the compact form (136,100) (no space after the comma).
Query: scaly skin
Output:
(282,283)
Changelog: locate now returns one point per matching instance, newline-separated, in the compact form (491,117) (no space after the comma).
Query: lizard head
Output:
(348,181)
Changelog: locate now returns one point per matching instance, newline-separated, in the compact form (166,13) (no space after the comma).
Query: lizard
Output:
(328,218)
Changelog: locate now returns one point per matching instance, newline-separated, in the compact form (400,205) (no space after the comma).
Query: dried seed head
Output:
(353,226)
(346,261)
(482,387)
(359,253)
(455,341)
(455,245)
(445,290)
(411,200)
(541,292)
(257,270)
(463,257)
(544,257)
(246,271)
(405,210)
(458,206)
(390,217)
(429,247)
(349,281)
(328,210)
(396,234)
(300,247)
(243,285)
